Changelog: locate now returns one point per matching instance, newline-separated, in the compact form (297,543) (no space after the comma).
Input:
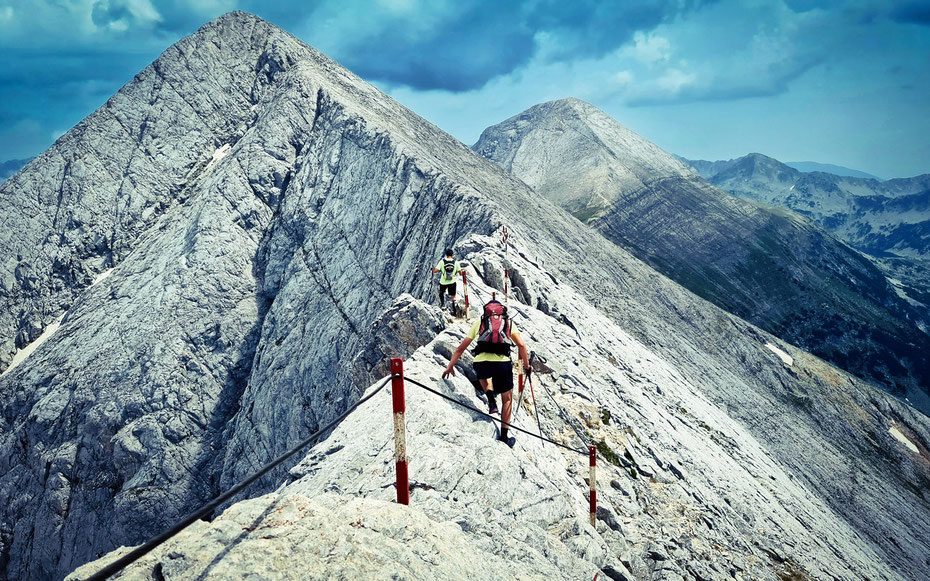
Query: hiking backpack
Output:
(448,267)
(494,330)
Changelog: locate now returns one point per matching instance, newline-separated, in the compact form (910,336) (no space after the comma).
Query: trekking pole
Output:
(562,414)
(506,280)
(465,289)
(505,238)
(516,408)
(529,377)
(592,481)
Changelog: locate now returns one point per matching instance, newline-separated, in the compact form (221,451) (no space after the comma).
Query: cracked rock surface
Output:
(684,490)
(258,300)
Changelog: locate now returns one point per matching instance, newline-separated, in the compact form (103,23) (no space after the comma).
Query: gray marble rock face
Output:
(257,295)
(768,266)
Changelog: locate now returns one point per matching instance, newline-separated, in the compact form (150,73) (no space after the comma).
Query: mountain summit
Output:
(573,154)
(219,261)
(768,266)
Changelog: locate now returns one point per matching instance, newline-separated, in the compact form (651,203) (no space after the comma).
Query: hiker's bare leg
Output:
(506,400)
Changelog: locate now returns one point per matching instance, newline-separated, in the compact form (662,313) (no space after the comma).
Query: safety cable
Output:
(562,414)
(119,564)
(474,409)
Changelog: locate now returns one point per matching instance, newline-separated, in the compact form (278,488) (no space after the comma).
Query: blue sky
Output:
(846,83)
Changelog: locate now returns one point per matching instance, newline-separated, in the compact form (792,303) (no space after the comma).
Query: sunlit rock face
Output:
(270,226)
(766,265)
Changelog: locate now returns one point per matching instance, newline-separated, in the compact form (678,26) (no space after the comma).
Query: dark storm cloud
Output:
(483,39)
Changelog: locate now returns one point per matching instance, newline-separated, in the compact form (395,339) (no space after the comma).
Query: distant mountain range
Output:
(811,166)
(708,169)
(886,219)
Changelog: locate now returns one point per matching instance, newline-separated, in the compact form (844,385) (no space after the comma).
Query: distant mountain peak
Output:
(605,154)
(812,166)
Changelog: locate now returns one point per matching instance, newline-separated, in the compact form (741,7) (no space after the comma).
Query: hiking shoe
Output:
(492,405)
(510,441)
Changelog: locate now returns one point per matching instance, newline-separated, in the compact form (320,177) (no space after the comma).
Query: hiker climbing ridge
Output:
(448,268)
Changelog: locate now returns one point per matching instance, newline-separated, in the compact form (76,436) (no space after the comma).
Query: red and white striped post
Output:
(400,430)
(592,454)
(465,287)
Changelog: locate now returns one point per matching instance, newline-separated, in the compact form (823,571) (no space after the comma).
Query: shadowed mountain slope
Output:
(768,266)
(266,221)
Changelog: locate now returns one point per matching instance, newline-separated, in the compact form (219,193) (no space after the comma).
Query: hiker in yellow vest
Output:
(448,268)
(495,334)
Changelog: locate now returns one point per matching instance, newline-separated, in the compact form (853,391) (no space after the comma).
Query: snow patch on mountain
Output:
(787,359)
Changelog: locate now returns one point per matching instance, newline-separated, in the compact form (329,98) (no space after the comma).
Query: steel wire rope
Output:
(512,427)
(142,550)
(562,413)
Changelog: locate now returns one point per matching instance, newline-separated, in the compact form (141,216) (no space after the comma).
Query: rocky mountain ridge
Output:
(269,219)
(768,266)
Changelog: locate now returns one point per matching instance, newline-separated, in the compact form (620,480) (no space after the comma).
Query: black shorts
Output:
(499,372)
(448,288)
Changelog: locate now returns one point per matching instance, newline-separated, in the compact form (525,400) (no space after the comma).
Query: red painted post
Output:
(400,431)
(592,453)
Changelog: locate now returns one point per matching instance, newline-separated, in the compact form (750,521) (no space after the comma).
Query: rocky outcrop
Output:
(768,266)
(239,316)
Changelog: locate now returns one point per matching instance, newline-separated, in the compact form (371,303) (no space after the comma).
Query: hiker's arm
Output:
(450,369)
(521,346)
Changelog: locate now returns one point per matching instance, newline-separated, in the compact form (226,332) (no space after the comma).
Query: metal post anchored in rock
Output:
(592,454)
(400,431)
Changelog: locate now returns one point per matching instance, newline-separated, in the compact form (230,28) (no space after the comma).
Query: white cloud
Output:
(651,48)
(143,11)
(621,79)
(675,80)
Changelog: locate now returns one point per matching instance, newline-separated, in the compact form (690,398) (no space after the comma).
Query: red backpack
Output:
(494,330)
